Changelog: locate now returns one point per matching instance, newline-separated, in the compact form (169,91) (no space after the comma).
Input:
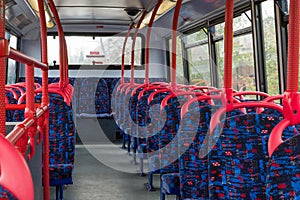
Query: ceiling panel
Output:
(103,3)
(92,13)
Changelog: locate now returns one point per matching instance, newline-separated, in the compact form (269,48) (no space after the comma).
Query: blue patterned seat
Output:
(102,99)
(5,194)
(11,100)
(283,181)
(163,144)
(238,161)
(119,109)
(193,170)
(111,84)
(170,184)
(87,92)
(62,140)
(138,116)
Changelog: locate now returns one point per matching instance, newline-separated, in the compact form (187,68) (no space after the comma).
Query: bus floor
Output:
(94,180)
(104,171)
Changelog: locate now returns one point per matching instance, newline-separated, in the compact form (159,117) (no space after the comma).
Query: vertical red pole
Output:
(123,53)
(45,101)
(62,70)
(30,109)
(174,42)
(228,43)
(293,47)
(2,71)
(147,58)
(133,46)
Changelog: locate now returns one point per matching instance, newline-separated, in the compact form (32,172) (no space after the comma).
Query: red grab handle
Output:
(15,174)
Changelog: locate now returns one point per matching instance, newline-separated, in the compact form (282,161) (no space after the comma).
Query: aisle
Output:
(95,181)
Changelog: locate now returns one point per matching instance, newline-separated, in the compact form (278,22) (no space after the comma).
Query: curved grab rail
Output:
(155,87)
(152,96)
(291,104)
(15,174)
(17,88)
(130,87)
(15,95)
(273,98)
(62,54)
(257,93)
(203,88)
(185,107)
(176,94)
(216,118)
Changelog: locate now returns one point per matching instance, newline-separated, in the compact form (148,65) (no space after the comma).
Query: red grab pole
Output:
(2,70)
(174,41)
(45,102)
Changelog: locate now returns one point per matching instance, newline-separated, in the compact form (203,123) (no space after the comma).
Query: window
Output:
(243,76)
(198,58)
(270,47)
(240,22)
(194,38)
(179,61)
(95,50)
(12,64)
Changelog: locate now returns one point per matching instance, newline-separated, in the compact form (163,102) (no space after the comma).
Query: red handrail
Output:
(174,42)
(63,66)
(147,50)
(3,52)
(291,105)
(43,120)
(21,57)
(133,46)
(177,94)
(123,53)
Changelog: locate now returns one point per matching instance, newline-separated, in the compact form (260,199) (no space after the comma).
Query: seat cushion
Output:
(60,174)
(283,181)
(170,183)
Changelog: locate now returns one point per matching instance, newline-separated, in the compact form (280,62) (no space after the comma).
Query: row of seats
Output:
(85,88)
(62,137)
(237,167)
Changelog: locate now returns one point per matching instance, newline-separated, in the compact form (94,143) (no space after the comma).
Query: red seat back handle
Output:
(15,174)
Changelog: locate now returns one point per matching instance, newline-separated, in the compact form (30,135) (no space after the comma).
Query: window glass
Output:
(270,47)
(12,64)
(96,50)
(240,22)
(220,61)
(198,61)
(195,37)
(53,50)
(243,76)
(179,61)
